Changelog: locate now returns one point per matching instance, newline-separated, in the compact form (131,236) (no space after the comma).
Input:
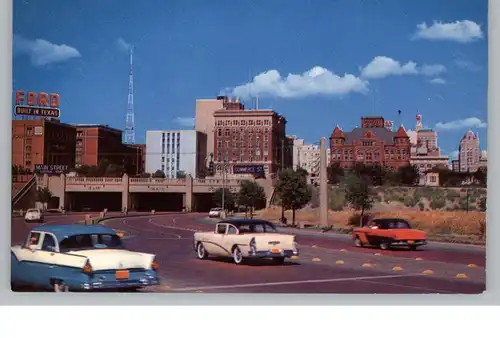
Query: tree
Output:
(229,199)
(251,195)
(358,194)
(44,195)
(181,174)
(158,174)
(334,173)
(408,175)
(144,175)
(293,190)
(481,175)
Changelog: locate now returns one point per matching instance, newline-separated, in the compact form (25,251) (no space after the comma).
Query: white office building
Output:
(174,151)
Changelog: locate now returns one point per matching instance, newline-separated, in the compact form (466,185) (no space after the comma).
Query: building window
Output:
(235,122)
(29,131)
(227,132)
(219,143)
(227,122)
(265,158)
(219,123)
(250,122)
(28,163)
(28,148)
(258,122)
(266,122)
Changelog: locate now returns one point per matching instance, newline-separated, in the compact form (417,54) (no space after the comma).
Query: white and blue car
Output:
(76,257)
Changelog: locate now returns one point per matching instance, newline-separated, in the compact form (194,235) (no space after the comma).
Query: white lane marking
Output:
(307,281)
(176,236)
(408,286)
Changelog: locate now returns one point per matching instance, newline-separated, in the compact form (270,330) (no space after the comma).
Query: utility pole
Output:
(323,184)
(282,168)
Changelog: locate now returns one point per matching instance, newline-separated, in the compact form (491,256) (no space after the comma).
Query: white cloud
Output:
(470,122)
(43,52)
(185,121)
(316,81)
(466,64)
(459,31)
(438,80)
(123,45)
(383,66)
(432,70)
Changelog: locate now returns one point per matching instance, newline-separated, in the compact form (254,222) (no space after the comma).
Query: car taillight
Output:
(87,268)
(155,265)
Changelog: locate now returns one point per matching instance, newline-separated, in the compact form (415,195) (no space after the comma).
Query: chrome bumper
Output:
(126,284)
(269,253)
(405,243)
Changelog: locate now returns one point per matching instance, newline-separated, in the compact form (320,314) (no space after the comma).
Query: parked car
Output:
(33,215)
(79,258)
(215,212)
(386,233)
(245,239)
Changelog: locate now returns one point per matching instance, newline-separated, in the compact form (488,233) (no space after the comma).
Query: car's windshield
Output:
(32,210)
(398,224)
(257,228)
(215,209)
(91,241)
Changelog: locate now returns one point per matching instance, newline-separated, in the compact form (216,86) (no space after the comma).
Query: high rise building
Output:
(204,121)
(249,141)
(175,151)
(95,142)
(469,152)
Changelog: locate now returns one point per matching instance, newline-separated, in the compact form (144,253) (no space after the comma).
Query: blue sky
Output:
(319,63)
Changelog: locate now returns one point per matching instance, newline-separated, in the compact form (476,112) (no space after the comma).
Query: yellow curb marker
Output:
(472,266)
(294,257)
(339,262)
(461,276)
(316,260)
(428,272)
(419,259)
(314,246)
(378,254)
(343,250)
(367,265)
(397,268)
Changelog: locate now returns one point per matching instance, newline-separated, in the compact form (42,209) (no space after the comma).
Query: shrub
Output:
(421,206)
(437,202)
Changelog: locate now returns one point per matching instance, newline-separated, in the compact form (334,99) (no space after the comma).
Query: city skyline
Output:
(435,64)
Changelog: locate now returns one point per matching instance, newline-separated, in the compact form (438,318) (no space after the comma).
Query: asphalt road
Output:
(328,263)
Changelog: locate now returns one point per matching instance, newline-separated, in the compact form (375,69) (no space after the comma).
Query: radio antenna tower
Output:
(130,120)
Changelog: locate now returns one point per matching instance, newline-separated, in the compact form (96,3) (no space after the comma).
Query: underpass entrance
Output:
(203,202)
(94,201)
(157,201)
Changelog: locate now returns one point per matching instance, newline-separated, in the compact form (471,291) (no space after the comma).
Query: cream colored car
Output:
(245,239)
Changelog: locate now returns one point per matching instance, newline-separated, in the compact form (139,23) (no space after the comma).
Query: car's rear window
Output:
(89,242)
(256,228)
(395,224)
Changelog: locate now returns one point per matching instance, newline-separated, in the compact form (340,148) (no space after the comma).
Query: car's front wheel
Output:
(357,242)
(237,255)
(384,245)
(201,252)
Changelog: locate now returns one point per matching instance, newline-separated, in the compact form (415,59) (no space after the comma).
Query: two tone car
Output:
(243,239)
(76,257)
(387,233)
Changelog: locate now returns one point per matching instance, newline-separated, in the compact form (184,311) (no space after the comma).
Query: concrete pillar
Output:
(125,193)
(189,193)
(323,184)
(62,197)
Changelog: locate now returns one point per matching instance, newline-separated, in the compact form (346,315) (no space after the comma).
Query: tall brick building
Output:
(370,144)
(249,140)
(42,141)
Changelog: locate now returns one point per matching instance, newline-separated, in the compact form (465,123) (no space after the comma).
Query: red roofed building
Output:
(370,144)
